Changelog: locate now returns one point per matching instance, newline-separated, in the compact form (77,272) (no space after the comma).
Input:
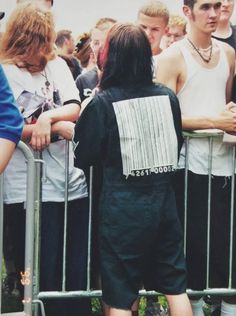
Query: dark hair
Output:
(126,58)
(190,3)
(83,49)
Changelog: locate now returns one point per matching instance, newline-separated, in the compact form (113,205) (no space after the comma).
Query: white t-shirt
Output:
(59,77)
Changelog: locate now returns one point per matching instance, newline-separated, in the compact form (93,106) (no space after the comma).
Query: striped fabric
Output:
(147,135)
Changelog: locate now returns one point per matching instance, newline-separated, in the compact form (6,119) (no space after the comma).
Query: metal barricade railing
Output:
(32,253)
(211,136)
(27,274)
(228,291)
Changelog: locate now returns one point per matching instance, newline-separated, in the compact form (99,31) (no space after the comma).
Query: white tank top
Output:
(203,94)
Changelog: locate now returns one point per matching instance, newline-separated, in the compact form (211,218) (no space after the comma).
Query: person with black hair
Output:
(133,128)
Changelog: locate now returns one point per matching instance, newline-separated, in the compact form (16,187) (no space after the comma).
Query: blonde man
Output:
(176,30)
(153,17)
(47,3)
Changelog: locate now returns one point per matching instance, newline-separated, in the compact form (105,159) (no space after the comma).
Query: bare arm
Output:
(226,121)
(40,133)
(168,71)
(230,53)
(7,149)
(171,72)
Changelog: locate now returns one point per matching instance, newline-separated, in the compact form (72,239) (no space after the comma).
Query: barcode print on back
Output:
(147,135)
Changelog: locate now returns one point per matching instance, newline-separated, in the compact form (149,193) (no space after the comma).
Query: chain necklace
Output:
(47,83)
(206,60)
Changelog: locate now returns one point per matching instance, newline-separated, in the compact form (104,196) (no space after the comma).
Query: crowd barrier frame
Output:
(32,296)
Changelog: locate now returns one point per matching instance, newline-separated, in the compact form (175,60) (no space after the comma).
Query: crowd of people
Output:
(122,94)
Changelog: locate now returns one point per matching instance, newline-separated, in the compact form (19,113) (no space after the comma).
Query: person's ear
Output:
(187,11)
(93,58)
(166,29)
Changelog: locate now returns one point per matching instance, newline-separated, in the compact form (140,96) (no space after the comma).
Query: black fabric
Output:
(52,225)
(231,40)
(86,82)
(197,223)
(97,126)
(137,214)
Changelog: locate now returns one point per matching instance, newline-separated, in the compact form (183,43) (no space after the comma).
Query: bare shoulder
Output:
(230,52)
(170,60)
(170,54)
(170,67)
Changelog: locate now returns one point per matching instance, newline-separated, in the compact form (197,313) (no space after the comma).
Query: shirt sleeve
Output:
(11,120)
(90,136)
(66,83)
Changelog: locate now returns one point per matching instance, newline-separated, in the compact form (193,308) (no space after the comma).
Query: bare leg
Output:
(106,309)
(179,305)
(119,312)
(135,307)
(109,311)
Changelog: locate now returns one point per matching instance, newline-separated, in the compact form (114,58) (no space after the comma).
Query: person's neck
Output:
(200,40)
(63,51)
(223,30)
(156,51)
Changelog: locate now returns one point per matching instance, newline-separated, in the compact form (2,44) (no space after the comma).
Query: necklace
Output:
(47,83)
(198,50)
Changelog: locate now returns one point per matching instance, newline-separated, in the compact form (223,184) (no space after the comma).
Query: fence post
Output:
(26,277)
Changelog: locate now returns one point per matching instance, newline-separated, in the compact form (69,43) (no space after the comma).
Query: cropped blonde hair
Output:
(154,8)
(29,37)
(177,20)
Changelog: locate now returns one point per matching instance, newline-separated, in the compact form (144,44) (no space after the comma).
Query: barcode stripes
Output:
(147,134)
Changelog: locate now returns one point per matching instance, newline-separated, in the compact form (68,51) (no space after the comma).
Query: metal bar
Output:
(90,227)
(65,215)
(40,175)
(98,293)
(40,303)
(27,278)
(186,191)
(231,245)
(209,210)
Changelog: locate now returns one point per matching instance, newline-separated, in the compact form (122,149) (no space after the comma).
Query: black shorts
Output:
(196,234)
(141,244)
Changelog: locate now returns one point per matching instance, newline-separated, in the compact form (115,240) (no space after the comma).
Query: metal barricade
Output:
(27,274)
(211,136)
(32,253)
(207,290)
